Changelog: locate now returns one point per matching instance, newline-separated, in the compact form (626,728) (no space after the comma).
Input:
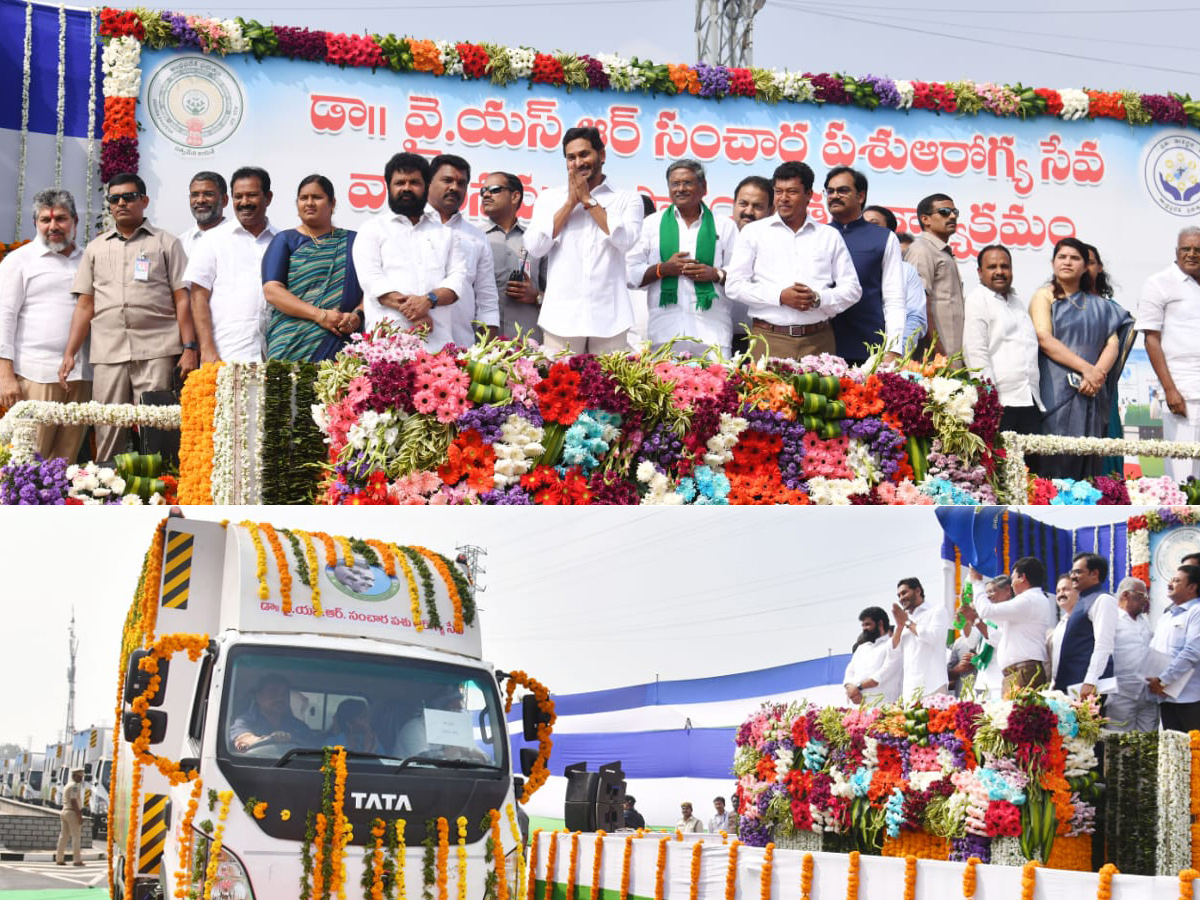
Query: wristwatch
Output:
(191,345)
(816,300)
(433,299)
(590,202)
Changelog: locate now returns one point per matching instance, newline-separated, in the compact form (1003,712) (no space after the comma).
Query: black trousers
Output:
(1180,716)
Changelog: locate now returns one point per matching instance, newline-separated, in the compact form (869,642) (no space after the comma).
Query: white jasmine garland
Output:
(907,92)
(252,396)
(238,43)
(1174,802)
(91,126)
(61,106)
(1075,103)
(222,468)
(26,70)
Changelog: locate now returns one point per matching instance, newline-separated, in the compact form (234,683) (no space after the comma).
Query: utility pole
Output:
(725,31)
(73,646)
(469,556)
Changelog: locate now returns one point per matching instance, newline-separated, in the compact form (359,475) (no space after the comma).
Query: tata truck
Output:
(29,776)
(91,751)
(342,650)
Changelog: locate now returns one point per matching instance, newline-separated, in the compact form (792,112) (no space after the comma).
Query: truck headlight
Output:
(510,868)
(231,881)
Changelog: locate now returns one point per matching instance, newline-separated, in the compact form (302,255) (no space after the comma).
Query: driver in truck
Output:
(269,717)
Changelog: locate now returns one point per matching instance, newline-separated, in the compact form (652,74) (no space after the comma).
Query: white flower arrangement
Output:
(1174,802)
(222,468)
(26,70)
(620,73)
(521,61)
(1006,851)
(661,492)
(94,485)
(906,92)
(238,42)
(720,445)
(794,86)
(518,449)
(19,425)
(450,58)
(835,491)
(1075,103)
(121,64)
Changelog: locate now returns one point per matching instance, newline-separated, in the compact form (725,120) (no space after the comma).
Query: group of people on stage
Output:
(1082,639)
(243,289)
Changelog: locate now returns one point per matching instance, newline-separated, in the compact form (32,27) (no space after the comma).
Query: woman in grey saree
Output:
(1083,340)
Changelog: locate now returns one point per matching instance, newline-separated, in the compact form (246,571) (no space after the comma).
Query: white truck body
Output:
(29,773)
(366,652)
(92,751)
(55,772)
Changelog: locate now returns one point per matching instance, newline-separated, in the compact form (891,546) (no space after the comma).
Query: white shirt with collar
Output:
(1054,644)
(1170,304)
(225,263)
(999,339)
(36,305)
(769,257)
(586,294)
(392,254)
(1103,615)
(682,318)
(1130,646)
(1025,619)
(190,239)
(479,301)
(873,661)
(923,654)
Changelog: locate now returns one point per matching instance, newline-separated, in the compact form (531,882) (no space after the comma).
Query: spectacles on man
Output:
(946,211)
(128,197)
(492,191)
(842,190)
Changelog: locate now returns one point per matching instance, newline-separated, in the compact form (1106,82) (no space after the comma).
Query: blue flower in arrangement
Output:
(998,788)
(704,487)
(861,781)
(1068,724)
(1075,493)
(589,438)
(814,755)
(894,812)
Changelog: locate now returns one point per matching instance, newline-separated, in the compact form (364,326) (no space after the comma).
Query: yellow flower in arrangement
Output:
(462,857)
(214,850)
(285,814)
(414,595)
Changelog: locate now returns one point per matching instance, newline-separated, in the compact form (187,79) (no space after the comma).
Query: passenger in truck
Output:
(352,728)
(269,719)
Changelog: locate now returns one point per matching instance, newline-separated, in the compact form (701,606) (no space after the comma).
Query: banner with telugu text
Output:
(1024,184)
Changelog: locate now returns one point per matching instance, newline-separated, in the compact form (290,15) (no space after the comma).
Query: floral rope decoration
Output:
(518,889)
(764,880)
(1186,883)
(314,571)
(660,869)
(970,878)
(347,550)
(694,886)
(196,449)
(91,125)
(214,850)
(341,826)
(461,596)
(443,858)
(806,877)
(910,878)
(61,96)
(164,648)
(626,858)
(1104,884)
(533,859)
(260,559)
(541,766)
(386,559)
(498,866)
(399,857)
(330,546)
(597,857)
(426,578)
(24,153)
(1028,879)
(462,857)
(186,839)
(1194,805)
(573,865)
(551,864)
(414,595)
(852,876)
(731,870)
(281,565)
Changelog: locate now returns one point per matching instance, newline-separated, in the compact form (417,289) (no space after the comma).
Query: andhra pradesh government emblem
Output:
(195,102)
(1172,173)
(1170,550)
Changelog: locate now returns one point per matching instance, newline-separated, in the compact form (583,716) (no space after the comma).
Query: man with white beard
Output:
(36,305)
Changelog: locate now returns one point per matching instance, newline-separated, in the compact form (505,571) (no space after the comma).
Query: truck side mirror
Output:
(137,679)
(531,717)
(528,758)
(131,725)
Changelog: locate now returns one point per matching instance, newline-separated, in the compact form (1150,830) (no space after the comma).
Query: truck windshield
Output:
(105,773)
(285,704)
(35,780)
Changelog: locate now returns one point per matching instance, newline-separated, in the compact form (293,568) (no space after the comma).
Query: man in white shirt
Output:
(1131,707)
(584,230)
(207,198)
(1168,315)
(1025,613)
(793,274)
(479,302)
(1065,598)
(1178,636)
(753,199)
(722,819)
(680,259)
(1085,656)
(228,306)
(920,639)
(412,269)
(873,675)
(999,339)
(36,305)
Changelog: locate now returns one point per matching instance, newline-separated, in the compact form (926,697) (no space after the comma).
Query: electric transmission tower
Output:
(725,31)
(469,557)
(73,646)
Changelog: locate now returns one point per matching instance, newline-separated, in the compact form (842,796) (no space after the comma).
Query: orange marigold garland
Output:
(281,565)
(764,880)
(340,825)
(660,869)
(330,548)
(1186,886)
(1104,886)
(806,877)
(183,875)
(456,598)
(697,850)
(385,556)
(626,857)
(1028,879)
(443,857)
(573,865)
(541,768)
(731,871)
(910,878)
(199,401)
(551,866)
(498,865)
(318,867)
(852,876)
(597,857)
(519,887)
(533,859)
(1194,740)
(378,830)
(969,878)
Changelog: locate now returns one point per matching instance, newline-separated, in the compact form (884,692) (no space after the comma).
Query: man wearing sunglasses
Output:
(933,258)
(520,280)
(1169,316)
(133,302)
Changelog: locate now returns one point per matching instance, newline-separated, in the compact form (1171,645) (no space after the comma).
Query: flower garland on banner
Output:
(60,106)
(93,15)
(26,71)
(541,693)
(1140,527)
(1186,883)
(609,72)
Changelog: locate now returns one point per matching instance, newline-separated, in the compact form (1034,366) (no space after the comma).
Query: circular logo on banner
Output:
(1172,172)
(1173,547)
(195,102)
(363,581)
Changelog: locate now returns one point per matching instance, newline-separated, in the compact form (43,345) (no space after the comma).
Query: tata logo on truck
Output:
(396,802)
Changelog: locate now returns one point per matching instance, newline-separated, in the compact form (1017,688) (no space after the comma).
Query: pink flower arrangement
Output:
(353,50)
(826,458)
(692,383)
(904,494)
(441,387)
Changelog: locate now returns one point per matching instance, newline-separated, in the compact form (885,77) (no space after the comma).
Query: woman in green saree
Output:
(309,281)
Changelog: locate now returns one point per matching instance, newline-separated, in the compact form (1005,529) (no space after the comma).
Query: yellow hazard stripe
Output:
(177,571)
(92,739)
(154,833)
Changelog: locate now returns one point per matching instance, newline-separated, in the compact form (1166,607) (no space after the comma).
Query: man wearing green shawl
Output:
(680,259)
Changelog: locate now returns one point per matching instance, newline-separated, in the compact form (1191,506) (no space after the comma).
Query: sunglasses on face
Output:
(492,191)
(841,191)
(128,197)
(946,211)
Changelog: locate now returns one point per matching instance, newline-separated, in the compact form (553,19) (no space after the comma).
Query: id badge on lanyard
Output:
(141,268)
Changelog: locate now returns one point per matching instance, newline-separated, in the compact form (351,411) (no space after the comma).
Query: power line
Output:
(959,11)
(425,7)
(810,10)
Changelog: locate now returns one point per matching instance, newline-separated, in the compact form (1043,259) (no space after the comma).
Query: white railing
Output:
(19,425)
